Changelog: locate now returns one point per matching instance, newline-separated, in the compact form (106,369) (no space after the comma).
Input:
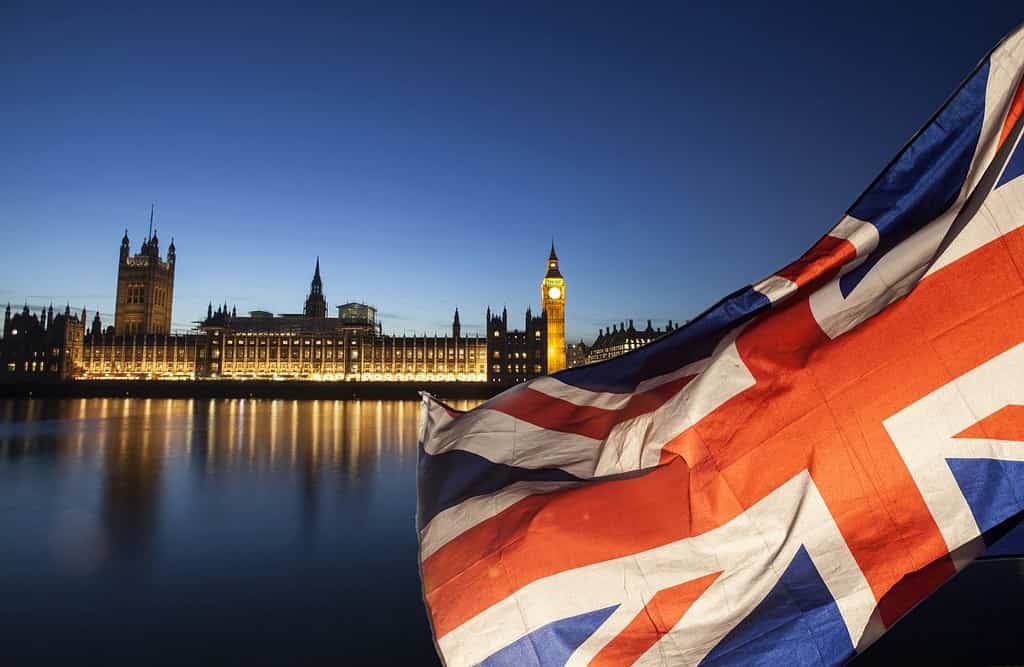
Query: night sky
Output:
(428,156)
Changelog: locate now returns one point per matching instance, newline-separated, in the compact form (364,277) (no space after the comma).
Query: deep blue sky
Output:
(429,155)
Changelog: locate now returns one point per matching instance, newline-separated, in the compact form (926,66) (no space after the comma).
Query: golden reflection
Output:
(336,409)
(80,432)
(378,418)
(294,431)
(316,431)
(275,423)
(252,436)
(211,422)
(132,439)
(190,425)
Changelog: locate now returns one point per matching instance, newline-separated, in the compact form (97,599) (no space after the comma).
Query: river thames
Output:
(277,532)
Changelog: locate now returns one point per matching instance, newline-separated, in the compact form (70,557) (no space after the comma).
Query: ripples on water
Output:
(276,532)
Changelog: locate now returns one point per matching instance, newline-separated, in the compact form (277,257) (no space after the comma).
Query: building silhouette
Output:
(621,338)
(316,302)
(516,355)
(41,347)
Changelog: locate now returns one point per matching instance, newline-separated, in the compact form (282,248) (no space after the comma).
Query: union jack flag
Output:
(784,477)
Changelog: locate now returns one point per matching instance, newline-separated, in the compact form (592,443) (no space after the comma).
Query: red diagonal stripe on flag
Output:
(1004,424)
(658,616)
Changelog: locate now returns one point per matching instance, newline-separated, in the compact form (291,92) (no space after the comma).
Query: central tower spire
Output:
(316,303)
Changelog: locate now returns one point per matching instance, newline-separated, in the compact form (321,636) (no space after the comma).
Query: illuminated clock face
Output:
(554,292)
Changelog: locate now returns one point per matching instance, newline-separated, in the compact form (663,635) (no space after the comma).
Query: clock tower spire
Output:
(552,298)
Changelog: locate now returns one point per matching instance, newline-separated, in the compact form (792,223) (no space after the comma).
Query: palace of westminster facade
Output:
(306,346)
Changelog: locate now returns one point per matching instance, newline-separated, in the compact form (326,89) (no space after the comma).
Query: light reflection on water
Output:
(272,530)
(231,434)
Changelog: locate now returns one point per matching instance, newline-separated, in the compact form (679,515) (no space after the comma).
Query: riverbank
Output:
(290,389)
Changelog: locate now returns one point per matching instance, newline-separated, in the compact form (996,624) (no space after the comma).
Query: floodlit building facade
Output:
(261,345)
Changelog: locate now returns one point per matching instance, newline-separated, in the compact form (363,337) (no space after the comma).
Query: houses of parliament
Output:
(310,345)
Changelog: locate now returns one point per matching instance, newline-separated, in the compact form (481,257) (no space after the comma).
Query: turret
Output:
(456,325)
(171,252)
(97,326)
(7,320)
(49,316)
(125,249)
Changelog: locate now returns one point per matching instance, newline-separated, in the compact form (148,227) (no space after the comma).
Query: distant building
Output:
(621,339)
(38,347)
(576,354)
(145,288)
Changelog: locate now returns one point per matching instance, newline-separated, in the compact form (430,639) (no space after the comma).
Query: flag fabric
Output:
(784,477)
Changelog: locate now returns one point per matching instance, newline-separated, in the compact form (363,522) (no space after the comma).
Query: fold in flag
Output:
(784,477)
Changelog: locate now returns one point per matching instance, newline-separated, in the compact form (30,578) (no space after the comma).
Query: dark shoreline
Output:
(290,389)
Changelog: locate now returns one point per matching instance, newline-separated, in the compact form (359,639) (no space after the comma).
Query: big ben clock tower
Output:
(552,299)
